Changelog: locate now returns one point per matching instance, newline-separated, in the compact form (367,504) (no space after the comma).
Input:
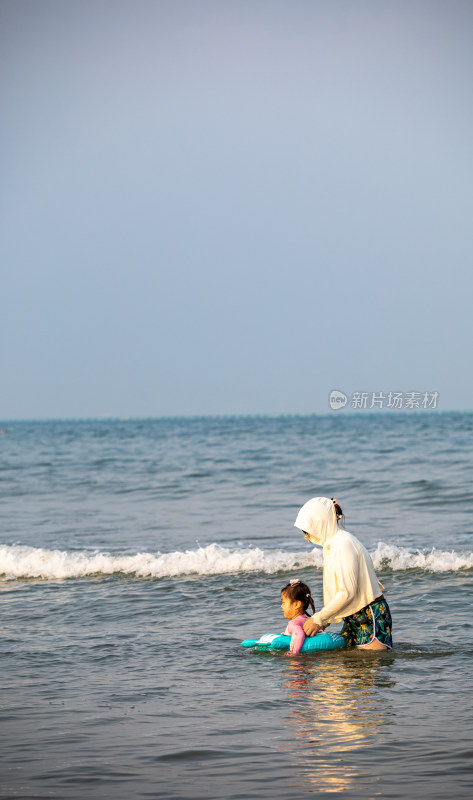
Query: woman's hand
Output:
(311,627)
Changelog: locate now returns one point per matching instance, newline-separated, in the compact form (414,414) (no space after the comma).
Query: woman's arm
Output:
(343,565)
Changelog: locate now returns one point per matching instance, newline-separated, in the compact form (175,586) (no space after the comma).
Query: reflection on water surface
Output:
(337,708)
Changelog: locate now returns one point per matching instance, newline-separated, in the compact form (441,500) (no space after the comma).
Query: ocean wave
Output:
(17,561)
(400,559)
(30,562)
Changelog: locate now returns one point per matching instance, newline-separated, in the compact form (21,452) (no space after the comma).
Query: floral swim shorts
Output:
(371,622)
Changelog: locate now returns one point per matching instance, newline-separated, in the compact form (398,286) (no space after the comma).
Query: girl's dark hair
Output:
(299,592)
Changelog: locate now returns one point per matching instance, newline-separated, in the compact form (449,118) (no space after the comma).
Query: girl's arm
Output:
(297,636)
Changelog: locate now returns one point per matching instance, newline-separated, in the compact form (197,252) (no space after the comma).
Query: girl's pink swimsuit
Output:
(295,629)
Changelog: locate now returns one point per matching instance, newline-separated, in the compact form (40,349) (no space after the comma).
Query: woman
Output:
(352,592)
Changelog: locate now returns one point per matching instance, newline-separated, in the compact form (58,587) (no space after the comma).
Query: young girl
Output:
(295,599)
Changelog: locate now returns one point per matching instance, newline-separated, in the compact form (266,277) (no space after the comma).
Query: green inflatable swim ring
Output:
(279,641)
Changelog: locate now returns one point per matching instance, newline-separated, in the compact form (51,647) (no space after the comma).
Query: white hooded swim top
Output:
(350,582)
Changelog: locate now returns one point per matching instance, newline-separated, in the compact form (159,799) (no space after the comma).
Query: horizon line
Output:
(237,415)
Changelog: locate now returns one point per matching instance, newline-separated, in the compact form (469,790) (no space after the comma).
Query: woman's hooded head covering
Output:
(318,518)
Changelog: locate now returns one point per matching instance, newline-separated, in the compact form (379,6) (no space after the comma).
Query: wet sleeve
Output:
(297,637)
(345,568)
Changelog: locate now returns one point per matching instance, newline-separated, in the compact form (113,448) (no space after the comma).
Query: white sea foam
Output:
(31,562)
(400,559)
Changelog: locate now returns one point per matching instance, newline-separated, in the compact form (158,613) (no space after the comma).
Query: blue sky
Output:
(234,206)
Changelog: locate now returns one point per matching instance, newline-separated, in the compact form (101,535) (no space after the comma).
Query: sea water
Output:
(136,555)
